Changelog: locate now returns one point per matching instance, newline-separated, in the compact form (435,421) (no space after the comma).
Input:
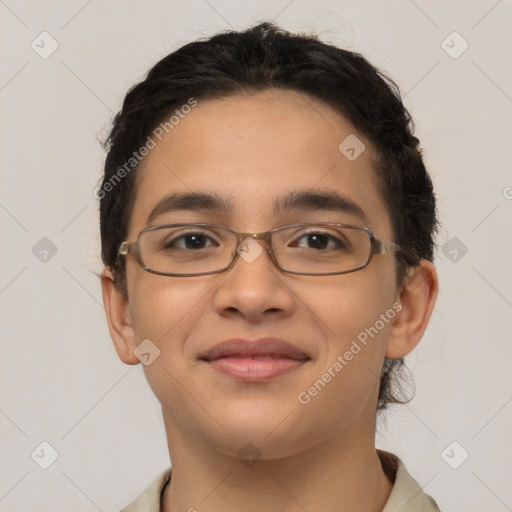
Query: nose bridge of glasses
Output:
(257,237)
(246,252)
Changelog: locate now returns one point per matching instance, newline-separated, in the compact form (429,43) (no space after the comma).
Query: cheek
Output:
(165,309)
(344,384)
(349,303)
(354,317)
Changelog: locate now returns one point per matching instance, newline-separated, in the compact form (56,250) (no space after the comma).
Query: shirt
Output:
(406,495)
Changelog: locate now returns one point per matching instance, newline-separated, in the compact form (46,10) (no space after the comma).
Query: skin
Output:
(251,149)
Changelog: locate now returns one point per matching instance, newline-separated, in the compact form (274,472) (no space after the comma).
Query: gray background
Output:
(61,381)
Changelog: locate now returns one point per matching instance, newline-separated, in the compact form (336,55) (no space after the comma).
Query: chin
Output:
(250,447)
(269,433)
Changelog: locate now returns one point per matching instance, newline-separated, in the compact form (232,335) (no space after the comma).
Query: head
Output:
(251,117)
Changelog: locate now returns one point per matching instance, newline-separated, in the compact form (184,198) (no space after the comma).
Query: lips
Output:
(253,361)
(267,348)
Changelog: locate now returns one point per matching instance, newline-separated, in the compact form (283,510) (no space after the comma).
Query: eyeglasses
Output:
(311,248)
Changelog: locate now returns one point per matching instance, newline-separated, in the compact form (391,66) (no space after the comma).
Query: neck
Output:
(335,475)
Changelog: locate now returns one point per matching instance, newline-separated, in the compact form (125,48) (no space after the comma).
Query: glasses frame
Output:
(377,246)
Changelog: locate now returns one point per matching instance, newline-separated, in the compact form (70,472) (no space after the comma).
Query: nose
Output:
(253,287)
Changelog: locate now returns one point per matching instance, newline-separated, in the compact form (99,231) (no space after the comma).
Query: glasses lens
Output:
(313,249)
(187,249)
(321,249)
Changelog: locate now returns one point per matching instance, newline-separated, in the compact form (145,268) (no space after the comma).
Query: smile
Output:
(254,360)
(255,368)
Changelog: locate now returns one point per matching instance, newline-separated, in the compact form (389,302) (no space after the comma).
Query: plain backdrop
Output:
(61,381)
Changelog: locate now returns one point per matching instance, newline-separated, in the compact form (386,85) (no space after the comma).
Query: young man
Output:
(267,230)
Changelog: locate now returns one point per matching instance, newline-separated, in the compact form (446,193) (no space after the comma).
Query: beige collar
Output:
(406,495)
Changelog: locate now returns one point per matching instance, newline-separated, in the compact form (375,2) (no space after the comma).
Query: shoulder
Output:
(149,499)
(406,495)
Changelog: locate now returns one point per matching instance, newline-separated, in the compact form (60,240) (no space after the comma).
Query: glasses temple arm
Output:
(383,247)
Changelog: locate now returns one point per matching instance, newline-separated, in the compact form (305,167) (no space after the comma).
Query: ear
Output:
(417,299)
(119,319)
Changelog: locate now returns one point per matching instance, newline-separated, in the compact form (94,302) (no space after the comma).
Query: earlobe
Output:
(119,319)
(417,298)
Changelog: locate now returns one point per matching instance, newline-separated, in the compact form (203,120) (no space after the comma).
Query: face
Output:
(253,150)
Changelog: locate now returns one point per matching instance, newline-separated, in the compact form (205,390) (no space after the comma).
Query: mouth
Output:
(253,361)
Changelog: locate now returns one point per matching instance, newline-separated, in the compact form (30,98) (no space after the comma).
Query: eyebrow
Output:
(306,200)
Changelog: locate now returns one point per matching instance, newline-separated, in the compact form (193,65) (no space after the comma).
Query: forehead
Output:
(253,152)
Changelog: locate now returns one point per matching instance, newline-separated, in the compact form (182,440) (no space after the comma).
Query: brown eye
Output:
(319,241)
(192,240)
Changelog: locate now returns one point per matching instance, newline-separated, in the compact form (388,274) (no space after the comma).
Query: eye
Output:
(320,240)
(189,241)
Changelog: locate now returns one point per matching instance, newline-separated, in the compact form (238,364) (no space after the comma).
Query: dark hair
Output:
(262,57)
